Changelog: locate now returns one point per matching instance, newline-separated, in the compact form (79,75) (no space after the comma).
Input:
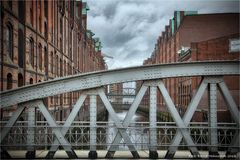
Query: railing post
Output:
(212,120)
(153,123)
(93,118)
(31,132)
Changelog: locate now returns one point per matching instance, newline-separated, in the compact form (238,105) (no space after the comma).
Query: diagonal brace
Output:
(56,130)
(187,118)
(11,122)
(8,126)
(183,128)
(234,145)
(67,124)
(118,124)
(127,121)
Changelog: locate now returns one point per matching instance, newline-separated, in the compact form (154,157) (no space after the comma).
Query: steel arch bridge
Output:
(92,85)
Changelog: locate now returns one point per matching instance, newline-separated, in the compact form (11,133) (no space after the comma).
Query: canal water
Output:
(138,135)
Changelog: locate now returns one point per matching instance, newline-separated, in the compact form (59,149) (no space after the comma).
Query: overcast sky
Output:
(129,29)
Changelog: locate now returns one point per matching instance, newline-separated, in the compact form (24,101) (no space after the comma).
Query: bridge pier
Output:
(153,119)
(31,152)
(93,118)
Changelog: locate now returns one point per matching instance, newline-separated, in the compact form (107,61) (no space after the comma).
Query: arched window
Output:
(56,65)
(9,40)
(46,60)
(31,81)
(20,48)
(61,44)
(51,62)
(31,52)
(61,68)
(20,80)
(9,81)
(64,67)
(40,56)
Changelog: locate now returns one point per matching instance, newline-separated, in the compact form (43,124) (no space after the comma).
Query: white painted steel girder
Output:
(153,118)
(101,78)
(187,117)
(212,120)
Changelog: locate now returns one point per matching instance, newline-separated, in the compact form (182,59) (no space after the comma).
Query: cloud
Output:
(129,29)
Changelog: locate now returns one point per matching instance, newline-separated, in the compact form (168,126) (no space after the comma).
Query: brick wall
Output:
(60,47)
(194,28)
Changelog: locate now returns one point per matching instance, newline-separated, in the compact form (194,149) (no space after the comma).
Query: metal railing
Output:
(78,135)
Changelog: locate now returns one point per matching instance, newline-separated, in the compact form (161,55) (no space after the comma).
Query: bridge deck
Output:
(119,154)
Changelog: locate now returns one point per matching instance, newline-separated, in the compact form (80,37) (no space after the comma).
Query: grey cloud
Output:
(129,29)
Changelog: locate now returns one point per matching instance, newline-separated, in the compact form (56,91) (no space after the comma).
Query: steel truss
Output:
(60,131)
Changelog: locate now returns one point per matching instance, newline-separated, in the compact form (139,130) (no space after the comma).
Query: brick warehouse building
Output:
(196,37)
(42,40)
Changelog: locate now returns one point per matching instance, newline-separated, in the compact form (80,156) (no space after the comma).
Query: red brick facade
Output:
(181,33)
(49,40)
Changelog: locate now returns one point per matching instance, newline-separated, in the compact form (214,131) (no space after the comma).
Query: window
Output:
(31,81)
(39,16)
(10,4)
(56,66)
(9,81)
(61,44)
(40,56)
(61,68)
(40,23)
(31,52)
(20,80)
(55,63)
(64,66)
(31,13)
(72,9)
(20,48)
(61,25)
(21,10)
(46,60)
(51,61)
(45,30)
(46,9)
(9,40)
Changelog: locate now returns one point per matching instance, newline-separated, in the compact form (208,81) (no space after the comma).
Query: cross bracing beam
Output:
(187,118)
(127,120)
(175,115)
(234,146)
(11,122)
(101,78)
(67,124)
(56,130)
(229,100)
(118,124)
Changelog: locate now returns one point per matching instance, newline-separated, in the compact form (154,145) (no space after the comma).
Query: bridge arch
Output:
(92,85)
